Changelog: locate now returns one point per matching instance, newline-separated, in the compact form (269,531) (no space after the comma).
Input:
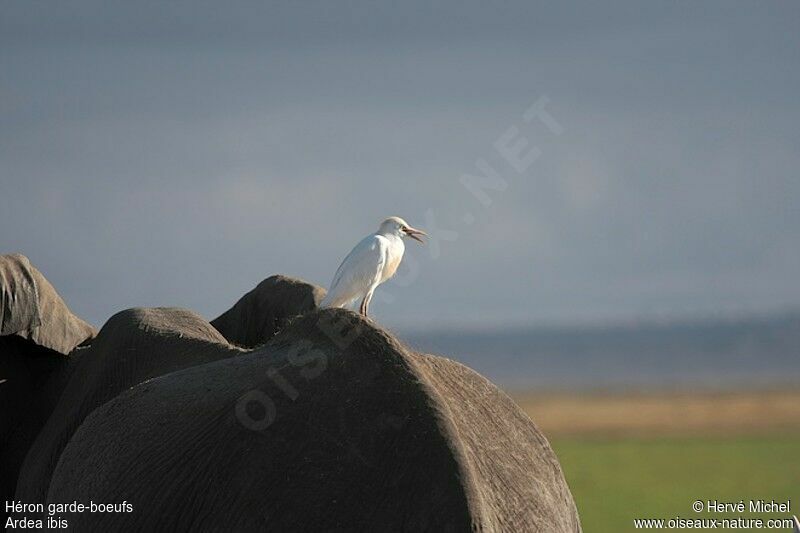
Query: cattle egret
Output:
(373,260)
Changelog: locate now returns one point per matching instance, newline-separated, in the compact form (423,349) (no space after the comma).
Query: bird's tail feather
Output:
(331,300)
(326,302)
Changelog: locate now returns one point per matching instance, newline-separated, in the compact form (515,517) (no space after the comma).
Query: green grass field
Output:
(617,479)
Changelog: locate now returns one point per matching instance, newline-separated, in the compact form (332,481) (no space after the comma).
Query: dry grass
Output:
(678,413)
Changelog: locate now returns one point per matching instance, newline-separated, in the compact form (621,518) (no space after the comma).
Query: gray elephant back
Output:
(331,426)
(133,346)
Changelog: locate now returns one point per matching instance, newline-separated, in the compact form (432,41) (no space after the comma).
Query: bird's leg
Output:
(367,300)
(363,308)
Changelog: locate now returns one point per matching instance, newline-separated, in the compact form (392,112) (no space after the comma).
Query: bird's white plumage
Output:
(371,262)
(360,271)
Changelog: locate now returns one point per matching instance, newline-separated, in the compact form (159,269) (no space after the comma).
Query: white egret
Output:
(373,260)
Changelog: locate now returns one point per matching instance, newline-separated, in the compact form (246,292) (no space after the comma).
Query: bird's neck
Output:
(394,238)
(390,235)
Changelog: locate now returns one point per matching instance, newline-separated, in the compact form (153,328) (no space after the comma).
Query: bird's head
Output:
(398,226)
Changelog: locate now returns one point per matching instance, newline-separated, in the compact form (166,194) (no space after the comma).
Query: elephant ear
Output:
(31,308)
(265,310)
(333,425)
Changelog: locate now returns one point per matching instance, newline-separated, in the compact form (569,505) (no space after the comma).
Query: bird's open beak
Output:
(414,234)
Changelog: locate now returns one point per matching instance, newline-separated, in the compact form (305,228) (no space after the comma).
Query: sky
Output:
(574,163)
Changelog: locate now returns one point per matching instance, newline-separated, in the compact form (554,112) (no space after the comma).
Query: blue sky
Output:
(178,153)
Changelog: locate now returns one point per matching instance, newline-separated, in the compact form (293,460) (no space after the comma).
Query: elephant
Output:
(139,344)
(28,375)
(133,346)
(37,333)
(332,425)
(263,311)
(278,415)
